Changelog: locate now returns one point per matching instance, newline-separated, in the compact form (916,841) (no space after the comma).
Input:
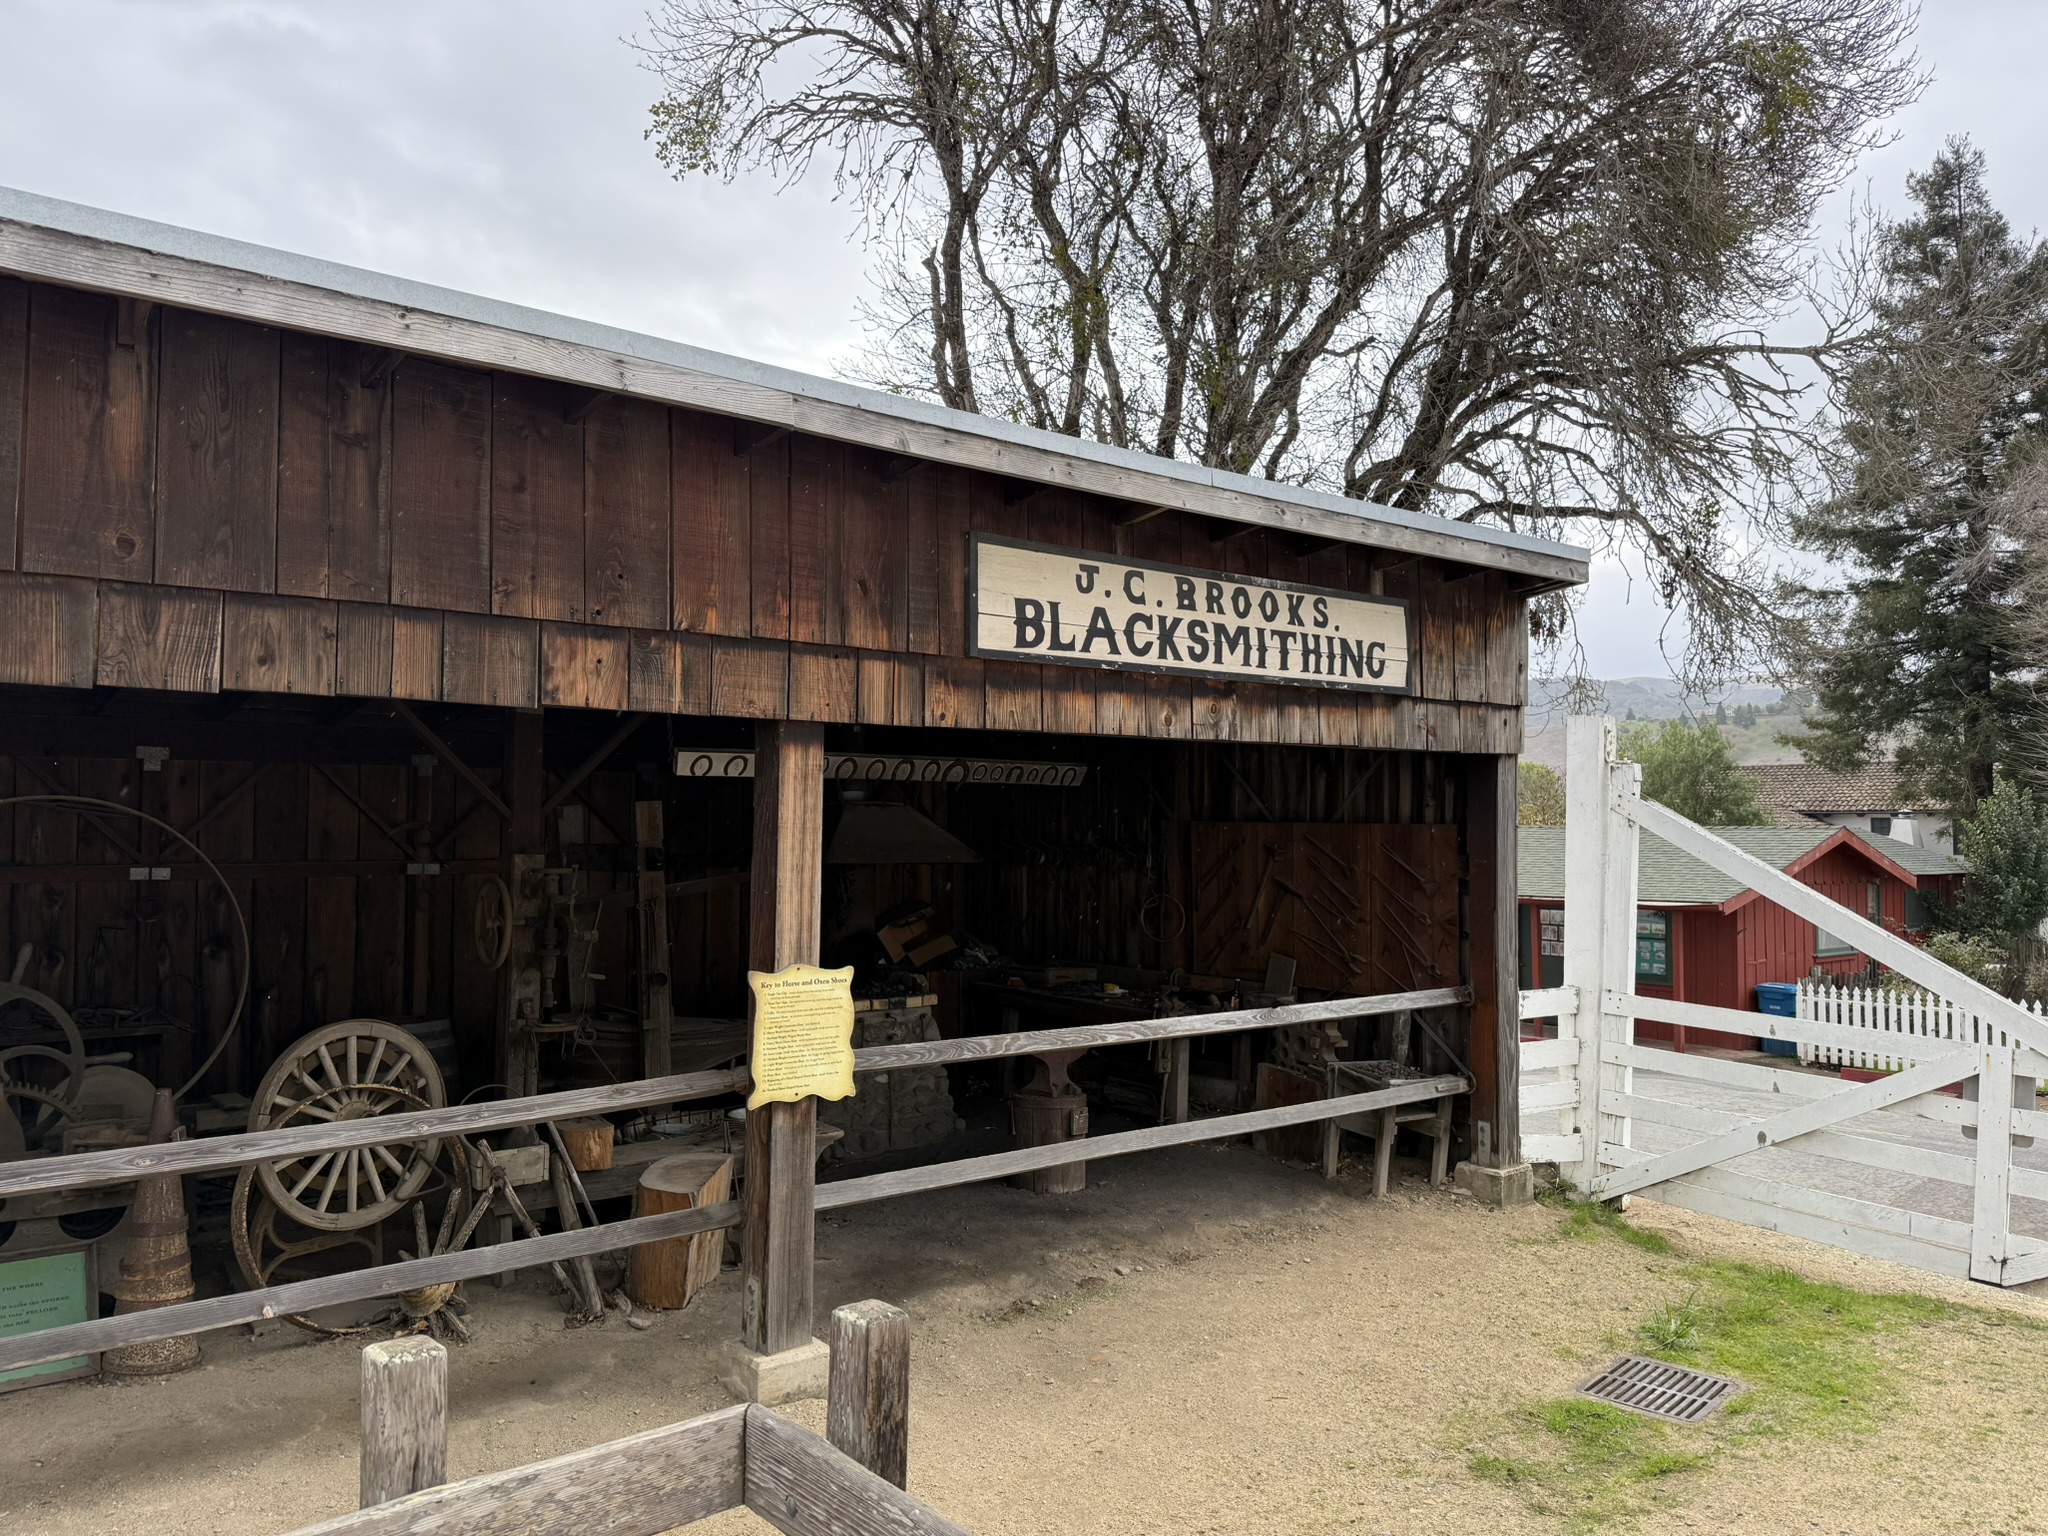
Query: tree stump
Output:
(588,1141)
(665,1275)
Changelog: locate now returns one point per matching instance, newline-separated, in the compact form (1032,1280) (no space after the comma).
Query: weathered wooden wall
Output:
(195,503)
(289,808)
(1105,872)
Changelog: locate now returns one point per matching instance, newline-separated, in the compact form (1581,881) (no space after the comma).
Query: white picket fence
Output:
(1918,1166)
(1895,1027)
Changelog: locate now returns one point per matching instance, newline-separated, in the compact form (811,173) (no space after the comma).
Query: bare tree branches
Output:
(1513,260)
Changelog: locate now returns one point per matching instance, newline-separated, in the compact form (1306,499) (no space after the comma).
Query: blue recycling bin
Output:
(1782,999)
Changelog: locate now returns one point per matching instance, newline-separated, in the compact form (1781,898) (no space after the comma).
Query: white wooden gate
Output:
(1942,1163)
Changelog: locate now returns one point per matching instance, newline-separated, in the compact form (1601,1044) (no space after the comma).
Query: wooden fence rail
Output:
(663,1478)
(118,1165)
(473,1263)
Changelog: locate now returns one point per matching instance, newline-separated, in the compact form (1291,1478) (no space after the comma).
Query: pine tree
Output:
(1941,414)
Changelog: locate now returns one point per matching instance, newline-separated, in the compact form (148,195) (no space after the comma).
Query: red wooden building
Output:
(1701,937)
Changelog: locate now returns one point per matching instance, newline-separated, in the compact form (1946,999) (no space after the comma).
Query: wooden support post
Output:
(1179,1054)
(1490,836)
(781,1172)
(1599,925)
(405,1419)
(867,1408)
(420,887)
(657,1007)
(525,845)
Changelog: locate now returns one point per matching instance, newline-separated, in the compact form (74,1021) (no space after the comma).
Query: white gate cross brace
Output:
(1814,1115)
(1872,939)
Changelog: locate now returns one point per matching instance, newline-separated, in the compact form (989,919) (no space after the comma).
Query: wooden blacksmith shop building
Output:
(379,655)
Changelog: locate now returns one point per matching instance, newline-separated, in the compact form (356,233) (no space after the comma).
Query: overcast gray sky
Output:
(496,146)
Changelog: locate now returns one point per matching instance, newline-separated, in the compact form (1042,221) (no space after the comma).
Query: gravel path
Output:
(1205,1341)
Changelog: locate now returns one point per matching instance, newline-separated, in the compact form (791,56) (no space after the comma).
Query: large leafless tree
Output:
(1522,261)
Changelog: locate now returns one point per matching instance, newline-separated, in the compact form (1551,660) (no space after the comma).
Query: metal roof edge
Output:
(36,211)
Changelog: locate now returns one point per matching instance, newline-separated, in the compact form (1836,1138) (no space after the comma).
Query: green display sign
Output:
(47,1291)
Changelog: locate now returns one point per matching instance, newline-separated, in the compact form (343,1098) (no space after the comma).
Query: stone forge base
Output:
(768,1380)
(1512,1185)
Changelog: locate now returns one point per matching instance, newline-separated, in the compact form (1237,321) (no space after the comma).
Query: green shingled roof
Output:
(1669,878)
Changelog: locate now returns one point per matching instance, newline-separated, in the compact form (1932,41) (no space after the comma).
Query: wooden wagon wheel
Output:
(261,1250)
(42,1123)
(354,1070)
(492,921)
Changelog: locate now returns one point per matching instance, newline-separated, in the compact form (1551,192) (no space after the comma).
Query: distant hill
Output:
(1652,698)
(1756,713)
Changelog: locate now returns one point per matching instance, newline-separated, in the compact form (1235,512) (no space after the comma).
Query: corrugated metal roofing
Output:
(1668,877)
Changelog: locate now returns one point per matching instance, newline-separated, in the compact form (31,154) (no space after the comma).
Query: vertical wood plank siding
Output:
(440,487)
(627,516)
(217,454)
(497,539)
(13,389)
(537,480)
(88,431)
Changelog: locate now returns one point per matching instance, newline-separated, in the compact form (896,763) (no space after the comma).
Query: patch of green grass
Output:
(1817,1361)
(1816,1358)
(1587,1462)
(1590,1219)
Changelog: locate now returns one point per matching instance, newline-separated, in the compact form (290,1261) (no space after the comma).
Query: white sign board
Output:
(1031,602)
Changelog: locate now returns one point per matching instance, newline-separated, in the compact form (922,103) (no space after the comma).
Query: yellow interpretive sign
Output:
(803,1035)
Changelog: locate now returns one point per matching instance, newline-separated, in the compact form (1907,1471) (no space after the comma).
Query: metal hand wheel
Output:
(492,920)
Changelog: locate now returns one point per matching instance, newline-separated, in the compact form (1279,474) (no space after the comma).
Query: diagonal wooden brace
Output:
(1813,1115)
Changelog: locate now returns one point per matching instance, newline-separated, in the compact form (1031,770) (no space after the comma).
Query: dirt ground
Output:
(1204,1341)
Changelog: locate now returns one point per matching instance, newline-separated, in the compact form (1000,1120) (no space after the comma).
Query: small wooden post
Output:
(867,1407)
(405,1419)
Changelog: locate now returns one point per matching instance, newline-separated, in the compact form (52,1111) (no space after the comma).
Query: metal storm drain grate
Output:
(1660,1390)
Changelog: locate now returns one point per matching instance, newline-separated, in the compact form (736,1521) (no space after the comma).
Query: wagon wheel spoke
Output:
(327,1189)
(312,1173)
(327,1061)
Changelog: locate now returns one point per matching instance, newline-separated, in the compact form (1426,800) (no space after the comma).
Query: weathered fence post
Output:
(405,1419)
(775,1359)
(867,1407)
(1599,924)
(1991,1217)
